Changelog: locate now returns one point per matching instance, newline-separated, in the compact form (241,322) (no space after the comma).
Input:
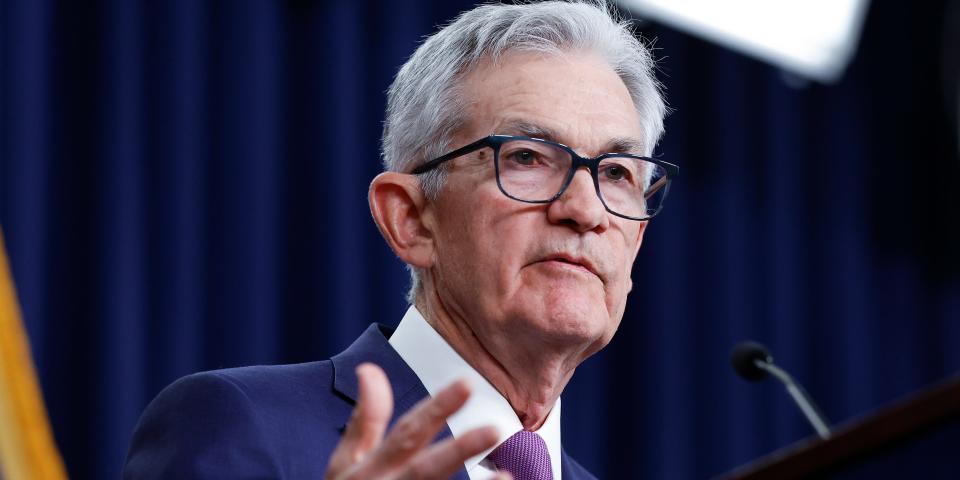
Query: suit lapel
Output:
(372,346)
(571,470)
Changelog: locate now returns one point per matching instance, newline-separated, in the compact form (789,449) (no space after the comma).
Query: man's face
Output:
(556,274)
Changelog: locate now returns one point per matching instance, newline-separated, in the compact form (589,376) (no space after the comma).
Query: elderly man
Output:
(517,190)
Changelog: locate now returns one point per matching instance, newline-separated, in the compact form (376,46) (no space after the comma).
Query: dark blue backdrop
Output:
(183,187)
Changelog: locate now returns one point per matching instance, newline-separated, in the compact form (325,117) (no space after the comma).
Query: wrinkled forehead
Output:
(525,128)
(572,98)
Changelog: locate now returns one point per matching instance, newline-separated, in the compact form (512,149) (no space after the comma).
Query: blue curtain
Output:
(183,187)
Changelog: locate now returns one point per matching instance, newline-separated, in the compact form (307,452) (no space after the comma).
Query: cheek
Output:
(618,288)
(475,244)
(617,296)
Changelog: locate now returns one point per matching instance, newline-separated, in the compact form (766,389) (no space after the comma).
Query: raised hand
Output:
(405,452)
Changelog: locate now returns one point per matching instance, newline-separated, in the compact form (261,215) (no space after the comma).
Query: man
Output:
(517,192)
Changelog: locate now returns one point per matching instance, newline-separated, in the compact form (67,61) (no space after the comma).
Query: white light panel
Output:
(811,38)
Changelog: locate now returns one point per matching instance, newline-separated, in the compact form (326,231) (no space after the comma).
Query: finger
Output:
(368,421)
(374,407)
(444,459)
(420,425)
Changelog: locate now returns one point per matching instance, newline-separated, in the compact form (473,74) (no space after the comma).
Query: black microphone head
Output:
(743,357)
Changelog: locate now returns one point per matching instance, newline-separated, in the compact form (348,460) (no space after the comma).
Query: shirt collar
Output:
(437,365)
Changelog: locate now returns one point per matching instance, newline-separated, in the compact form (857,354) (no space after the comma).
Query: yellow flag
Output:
(27,450)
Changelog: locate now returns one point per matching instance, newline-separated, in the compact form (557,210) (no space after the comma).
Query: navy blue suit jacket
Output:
(269,422)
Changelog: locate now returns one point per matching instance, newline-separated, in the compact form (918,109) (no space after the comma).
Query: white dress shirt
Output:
(437,365)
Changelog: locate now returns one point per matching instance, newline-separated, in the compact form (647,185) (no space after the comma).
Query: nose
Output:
(579,206)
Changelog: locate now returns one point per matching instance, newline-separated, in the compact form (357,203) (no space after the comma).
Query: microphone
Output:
(753,362)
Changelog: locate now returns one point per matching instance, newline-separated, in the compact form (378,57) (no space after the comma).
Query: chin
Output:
(562,311)
(571,319)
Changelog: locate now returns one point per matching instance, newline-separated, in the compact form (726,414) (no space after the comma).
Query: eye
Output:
(616,173)
(523,157)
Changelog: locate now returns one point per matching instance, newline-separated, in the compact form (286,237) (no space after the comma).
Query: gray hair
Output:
(423,103)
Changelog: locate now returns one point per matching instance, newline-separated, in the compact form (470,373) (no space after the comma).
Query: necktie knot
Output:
(525,456)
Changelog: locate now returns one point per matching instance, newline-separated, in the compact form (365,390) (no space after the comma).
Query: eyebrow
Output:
(529,129)
(625,145)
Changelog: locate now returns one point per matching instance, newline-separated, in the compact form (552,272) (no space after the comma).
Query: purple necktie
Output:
(525,456)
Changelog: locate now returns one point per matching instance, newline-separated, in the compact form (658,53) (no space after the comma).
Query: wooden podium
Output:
(915,437)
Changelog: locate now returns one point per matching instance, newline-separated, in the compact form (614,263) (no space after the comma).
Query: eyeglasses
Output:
(532,170)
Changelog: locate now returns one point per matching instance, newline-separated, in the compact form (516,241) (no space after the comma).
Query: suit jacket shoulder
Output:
(252,422)
(279,421)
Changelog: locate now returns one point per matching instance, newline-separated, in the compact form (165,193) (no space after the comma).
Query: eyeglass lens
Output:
(535,172)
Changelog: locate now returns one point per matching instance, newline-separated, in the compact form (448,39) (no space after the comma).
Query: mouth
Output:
(572,262)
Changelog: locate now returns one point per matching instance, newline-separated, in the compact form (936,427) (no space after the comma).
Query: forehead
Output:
(575,97)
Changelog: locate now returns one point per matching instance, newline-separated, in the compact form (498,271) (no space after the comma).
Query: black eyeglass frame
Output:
(593,164)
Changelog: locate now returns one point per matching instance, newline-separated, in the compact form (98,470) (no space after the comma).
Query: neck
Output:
(527,372)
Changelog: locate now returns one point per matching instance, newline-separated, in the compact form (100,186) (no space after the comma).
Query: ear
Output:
(398,205)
